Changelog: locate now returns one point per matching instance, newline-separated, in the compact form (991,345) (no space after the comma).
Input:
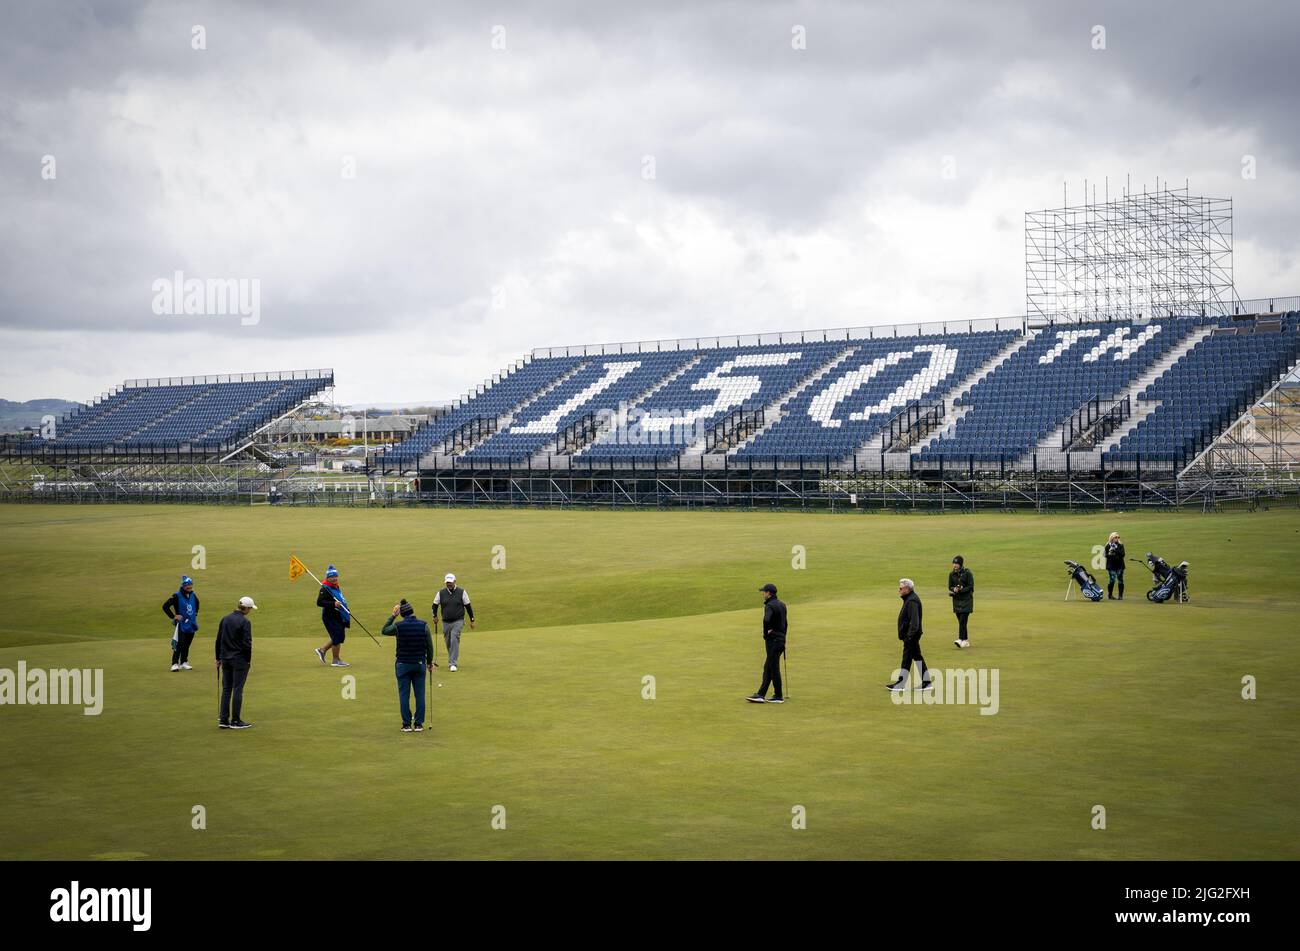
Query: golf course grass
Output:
(1131,706)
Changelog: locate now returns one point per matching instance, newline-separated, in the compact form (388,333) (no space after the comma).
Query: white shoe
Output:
(452,667)
(186,666)
(957,643)
(965,643)
(176,666)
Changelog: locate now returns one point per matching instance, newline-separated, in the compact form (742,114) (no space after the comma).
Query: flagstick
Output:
(350,614)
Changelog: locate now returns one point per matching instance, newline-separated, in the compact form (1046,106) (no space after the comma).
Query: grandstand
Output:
(1058,396)
(205,416)
(914,410)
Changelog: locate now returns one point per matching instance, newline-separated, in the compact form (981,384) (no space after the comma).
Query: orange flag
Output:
(296,568)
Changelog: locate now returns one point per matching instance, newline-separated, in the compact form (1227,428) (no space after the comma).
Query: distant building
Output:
(379,429)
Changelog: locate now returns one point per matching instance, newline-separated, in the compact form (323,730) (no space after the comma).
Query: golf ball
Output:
(439,685)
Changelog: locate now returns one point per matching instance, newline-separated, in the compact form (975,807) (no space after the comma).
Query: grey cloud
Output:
(477,170)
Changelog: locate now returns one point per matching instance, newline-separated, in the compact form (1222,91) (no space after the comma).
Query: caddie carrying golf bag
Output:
(1170,581)
(1088,586)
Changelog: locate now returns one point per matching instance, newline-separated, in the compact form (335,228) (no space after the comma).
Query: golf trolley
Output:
(1080,575)
(1170,581)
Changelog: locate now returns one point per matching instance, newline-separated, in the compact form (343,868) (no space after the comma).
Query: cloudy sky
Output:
(425,191)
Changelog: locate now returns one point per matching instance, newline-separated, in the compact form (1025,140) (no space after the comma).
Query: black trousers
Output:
(181,655)
(912,652)
(232,691)
(962,618)
(772,666)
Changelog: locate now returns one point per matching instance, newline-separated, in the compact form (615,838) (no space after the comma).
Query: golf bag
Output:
(1088,586)
(1170,580)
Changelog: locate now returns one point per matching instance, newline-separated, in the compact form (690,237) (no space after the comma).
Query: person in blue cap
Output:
(182,609)
(334,614)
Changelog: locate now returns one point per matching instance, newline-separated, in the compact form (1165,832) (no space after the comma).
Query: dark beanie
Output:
(958,560)
(406,608)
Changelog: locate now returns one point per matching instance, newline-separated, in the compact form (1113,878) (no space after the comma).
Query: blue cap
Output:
(331,572)
(186,579)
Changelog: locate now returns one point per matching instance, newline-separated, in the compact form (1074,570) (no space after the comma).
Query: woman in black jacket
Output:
(1114,566)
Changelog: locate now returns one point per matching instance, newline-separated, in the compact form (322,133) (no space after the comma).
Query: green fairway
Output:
(1132,706)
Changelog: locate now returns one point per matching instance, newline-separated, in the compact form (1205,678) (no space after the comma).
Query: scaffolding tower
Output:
(1144,254)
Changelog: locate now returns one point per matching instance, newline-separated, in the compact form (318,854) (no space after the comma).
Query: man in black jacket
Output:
(909,632)
(414,657)
(234,657)
(774,630)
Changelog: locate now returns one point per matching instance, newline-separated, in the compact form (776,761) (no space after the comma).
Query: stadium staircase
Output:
(869,459)
(163,417)
(604,423)
(78,421)
(502,422)
(1049,450)
(781,405)
(81,418)
(772,412)
(279,393)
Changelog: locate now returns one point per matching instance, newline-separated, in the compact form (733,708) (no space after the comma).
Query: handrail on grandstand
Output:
(1021,323)
(925,329)
(269,375)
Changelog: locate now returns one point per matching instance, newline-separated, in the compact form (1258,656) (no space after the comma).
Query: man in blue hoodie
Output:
(182,609)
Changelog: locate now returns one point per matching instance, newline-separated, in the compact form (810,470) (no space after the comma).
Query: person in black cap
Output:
(961,588)
(182,609)
(414,657)
(774,628)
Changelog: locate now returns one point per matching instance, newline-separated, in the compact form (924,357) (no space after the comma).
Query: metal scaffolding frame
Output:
(1144,254)
(1262,444)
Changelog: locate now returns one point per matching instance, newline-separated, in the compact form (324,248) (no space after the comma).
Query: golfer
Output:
(961,588)
(909,632)
(182,609)
(454,602)
(774,630)
(1114,552)
(234,658)
(414,657)
(334,615)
